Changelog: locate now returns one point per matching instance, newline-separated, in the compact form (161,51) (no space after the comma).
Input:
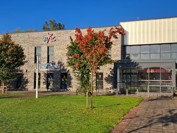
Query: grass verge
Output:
(62,113)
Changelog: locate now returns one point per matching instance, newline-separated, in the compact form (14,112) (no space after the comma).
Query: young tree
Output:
(11,58)
(79,66)
(89,52)
(53,25)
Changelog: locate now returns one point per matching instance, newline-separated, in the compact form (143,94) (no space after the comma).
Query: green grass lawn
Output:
(62,114)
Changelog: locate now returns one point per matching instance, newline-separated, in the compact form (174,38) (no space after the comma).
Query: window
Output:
(144,56)
(151,51)
(165,55)
(155,56)
(99,80)
(154,73)
(174,48)
(174,55)
(128,50)
(165,48)
(135,49)
(50,54)
(155,48)
(37,53)
(145,49)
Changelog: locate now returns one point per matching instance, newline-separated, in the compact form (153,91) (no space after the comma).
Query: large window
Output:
(156,76)
(135,49)
(151,51)
(145,49)
(155,48)
(174,51)
(37,53)
(165,48)
(155,56)
(50,54)
(174,48)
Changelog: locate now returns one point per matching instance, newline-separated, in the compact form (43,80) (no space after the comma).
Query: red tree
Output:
(95,48)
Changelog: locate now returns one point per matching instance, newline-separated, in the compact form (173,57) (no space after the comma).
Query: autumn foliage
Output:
(94,47)
(88,52)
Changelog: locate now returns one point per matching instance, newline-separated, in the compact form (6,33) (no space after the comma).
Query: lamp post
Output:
(37,76)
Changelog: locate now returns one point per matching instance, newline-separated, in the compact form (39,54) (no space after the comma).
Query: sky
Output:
(32,14)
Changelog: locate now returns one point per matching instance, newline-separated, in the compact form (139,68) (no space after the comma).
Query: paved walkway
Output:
(153,115)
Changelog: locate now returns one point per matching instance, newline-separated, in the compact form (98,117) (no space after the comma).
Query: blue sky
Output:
(31,14)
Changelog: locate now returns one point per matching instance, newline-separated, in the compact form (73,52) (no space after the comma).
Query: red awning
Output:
(156,70)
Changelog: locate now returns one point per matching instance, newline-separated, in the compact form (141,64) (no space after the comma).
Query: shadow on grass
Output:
(104,106)
(18,94)
(10,96)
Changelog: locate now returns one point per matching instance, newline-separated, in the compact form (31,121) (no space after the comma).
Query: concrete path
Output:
(153,115)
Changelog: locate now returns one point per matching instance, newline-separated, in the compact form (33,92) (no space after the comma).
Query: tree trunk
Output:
(91,89)
(2,87)
(91,101)
(86,99)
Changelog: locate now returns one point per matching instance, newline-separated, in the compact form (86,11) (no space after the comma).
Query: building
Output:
(51,46)
(152,46)
(145,58)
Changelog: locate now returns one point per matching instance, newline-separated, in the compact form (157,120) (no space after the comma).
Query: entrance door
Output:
(63,80)
(129,80)
(49,84)
(18,82)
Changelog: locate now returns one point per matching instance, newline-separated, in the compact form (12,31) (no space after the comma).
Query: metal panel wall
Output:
(150,31)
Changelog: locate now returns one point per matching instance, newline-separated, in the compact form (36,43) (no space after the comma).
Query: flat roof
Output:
(149,19)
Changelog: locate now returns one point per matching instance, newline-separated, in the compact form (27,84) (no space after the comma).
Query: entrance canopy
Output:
(49,67)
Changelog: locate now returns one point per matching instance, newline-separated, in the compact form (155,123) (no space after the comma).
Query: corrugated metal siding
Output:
(150,31)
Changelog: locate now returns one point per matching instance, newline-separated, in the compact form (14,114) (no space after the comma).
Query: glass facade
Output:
(156,76)
(151,52)
(155,72)
(148,76)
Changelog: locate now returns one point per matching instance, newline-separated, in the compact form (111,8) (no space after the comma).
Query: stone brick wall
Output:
(31,40)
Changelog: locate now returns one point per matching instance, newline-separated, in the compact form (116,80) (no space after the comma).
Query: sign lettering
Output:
(50,38)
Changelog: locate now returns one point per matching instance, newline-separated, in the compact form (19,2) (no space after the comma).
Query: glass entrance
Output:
(156,77)
(149,77)
(129,80)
